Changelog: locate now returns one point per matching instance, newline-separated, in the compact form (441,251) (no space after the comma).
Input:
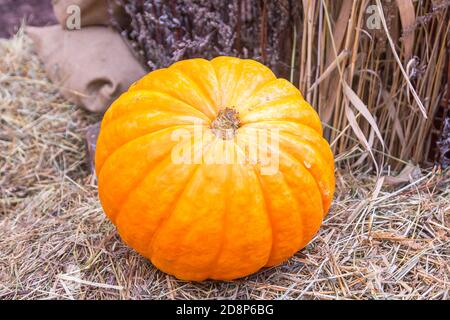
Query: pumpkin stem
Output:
(226,123)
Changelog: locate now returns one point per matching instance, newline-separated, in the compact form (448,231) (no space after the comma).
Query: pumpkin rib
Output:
(161,162)
(100,176)
(283,127)
(269,216)
(298,213)
(305,239)
(136,115)
(164,161)
(285,119)
(200,90)
(236,83)
(163,80)
(227,94)
(237,97)
(172,208)
(255,90)
(261,106)
(134,186)
(186,65)
(260,85)
(302,104)
(166,216)
(263,194)
(148,172)
(288,89)
(302,139)
(99,170)
(219,91)
(170,212)
(133,132)
(321,150)
(218,272)
(130,95)
(137,85)
(215,261)
(287,155)
(294,160)
(285,110)
(326,190)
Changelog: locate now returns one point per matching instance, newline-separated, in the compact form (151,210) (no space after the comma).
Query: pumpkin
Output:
(164,183)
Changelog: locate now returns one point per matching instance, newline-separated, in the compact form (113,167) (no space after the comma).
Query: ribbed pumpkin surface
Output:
(209,219)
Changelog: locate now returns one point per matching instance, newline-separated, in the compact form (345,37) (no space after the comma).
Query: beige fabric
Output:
(93,66)
(92,12)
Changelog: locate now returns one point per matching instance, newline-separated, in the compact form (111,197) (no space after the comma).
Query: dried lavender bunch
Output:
(162,32)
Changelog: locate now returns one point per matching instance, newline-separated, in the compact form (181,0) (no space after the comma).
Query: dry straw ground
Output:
(382,238)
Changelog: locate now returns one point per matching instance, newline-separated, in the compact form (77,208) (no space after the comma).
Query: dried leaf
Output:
(361,107)
(344,54)
(409,174)
(392,114)
(391,236)
(408,19)
(358,132)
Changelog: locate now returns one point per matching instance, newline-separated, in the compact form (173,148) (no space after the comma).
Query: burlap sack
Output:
(92,12)
(93,66)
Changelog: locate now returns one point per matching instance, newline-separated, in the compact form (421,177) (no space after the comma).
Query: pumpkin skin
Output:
(221,221)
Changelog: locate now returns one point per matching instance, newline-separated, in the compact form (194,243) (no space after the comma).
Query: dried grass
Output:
(385,238)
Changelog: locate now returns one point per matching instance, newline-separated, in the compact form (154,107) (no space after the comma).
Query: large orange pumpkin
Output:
(202,218)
